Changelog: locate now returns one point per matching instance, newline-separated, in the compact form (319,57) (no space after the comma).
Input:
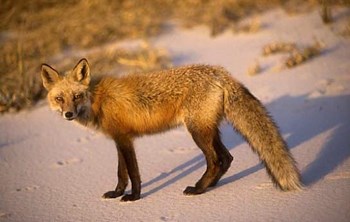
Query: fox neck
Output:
(87,117)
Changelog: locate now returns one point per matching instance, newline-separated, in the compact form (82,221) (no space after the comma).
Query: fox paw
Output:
(130,197)
(112,194)
(193,191)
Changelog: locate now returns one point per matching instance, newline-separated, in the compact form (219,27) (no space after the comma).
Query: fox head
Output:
(68,94)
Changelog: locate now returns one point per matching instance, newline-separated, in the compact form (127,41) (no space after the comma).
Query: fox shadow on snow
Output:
(301,118)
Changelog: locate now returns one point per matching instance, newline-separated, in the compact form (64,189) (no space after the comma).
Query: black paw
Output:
(193,191)
(130,197)
(112,194)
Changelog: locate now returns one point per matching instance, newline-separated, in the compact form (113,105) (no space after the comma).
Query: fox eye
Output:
(59,99)
(78,96)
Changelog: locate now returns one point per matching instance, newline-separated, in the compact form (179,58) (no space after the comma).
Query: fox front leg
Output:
(133,171)
(127,152)
(122,179)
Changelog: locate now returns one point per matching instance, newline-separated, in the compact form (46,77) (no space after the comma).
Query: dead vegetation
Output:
(254,69)
(296,55)
(278,47)
(21,88)
(37,31)
(250,27)
(299,56)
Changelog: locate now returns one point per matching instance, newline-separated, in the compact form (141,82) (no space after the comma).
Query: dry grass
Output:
(21,88)
(300,56)
(250,27)
(297,55)
(254,69)
(278,47)
(37,31)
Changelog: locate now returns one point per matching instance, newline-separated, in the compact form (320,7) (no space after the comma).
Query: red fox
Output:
(197,96)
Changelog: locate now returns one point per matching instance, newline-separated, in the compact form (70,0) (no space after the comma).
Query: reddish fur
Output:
(197,96)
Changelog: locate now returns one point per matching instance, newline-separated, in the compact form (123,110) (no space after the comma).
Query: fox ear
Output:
(49,76)
(81,72)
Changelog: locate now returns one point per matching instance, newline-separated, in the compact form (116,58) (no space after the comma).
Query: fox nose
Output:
(68,115)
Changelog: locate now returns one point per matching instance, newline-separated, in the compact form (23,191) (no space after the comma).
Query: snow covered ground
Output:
(52,170)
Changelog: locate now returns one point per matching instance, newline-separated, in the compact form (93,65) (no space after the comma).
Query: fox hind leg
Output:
(224,156)
(203,137)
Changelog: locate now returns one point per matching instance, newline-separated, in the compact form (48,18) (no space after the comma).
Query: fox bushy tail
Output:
(252,121)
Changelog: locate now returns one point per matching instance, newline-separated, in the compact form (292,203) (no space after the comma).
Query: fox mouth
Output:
(70,119)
